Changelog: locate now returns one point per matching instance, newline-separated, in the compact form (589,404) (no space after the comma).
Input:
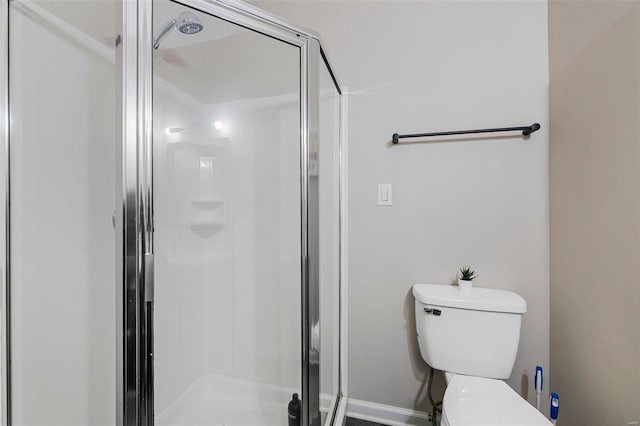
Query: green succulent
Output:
(467,274)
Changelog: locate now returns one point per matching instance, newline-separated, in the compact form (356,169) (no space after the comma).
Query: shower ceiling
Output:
(218,72)
(222,63)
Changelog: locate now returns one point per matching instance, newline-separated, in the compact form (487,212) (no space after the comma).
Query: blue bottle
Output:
(554,407)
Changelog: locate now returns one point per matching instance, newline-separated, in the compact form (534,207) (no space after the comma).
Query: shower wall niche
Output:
(198,176)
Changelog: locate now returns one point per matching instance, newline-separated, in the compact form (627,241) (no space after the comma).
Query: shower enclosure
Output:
(171,250)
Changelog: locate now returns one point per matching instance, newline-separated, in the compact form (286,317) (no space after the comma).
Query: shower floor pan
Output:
(223,401)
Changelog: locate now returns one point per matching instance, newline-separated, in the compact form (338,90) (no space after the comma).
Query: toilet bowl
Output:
(479,401)
(473,338)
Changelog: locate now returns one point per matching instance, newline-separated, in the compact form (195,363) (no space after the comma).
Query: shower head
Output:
(189,24)
(186,23)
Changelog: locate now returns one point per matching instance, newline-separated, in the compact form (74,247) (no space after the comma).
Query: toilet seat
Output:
(478,401)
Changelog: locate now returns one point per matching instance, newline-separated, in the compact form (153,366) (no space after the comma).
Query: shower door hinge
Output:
(148,277)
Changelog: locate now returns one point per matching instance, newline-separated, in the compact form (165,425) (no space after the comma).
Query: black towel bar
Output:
(526,131)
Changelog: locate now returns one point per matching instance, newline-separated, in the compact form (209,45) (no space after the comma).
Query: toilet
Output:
(473,338)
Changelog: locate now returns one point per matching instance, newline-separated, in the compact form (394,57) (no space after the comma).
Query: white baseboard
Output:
(385,414)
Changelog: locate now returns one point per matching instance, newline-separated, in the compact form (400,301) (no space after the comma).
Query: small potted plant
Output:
(465,280)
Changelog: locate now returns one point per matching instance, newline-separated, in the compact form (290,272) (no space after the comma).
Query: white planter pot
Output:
(465,285)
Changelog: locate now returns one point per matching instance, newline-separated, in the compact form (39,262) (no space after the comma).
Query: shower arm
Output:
(168,27)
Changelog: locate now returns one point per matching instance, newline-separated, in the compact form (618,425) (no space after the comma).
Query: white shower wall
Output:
(227,288)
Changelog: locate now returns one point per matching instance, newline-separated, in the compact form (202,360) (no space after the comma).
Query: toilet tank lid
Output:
(479,299)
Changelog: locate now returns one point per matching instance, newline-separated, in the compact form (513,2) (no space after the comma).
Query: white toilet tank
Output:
(474,334)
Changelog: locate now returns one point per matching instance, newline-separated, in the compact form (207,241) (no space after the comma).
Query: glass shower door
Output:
(61,251)
(227,221)
(329,242)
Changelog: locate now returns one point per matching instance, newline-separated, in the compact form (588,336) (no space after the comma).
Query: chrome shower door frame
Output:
(132,220)
(135,224)
(5,306)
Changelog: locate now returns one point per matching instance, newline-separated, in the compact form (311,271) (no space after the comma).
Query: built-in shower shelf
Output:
(206,228)
(207,203)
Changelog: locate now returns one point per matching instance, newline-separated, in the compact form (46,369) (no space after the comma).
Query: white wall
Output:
(428,66)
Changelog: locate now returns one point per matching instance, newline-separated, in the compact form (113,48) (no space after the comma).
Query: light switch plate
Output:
(385,196)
